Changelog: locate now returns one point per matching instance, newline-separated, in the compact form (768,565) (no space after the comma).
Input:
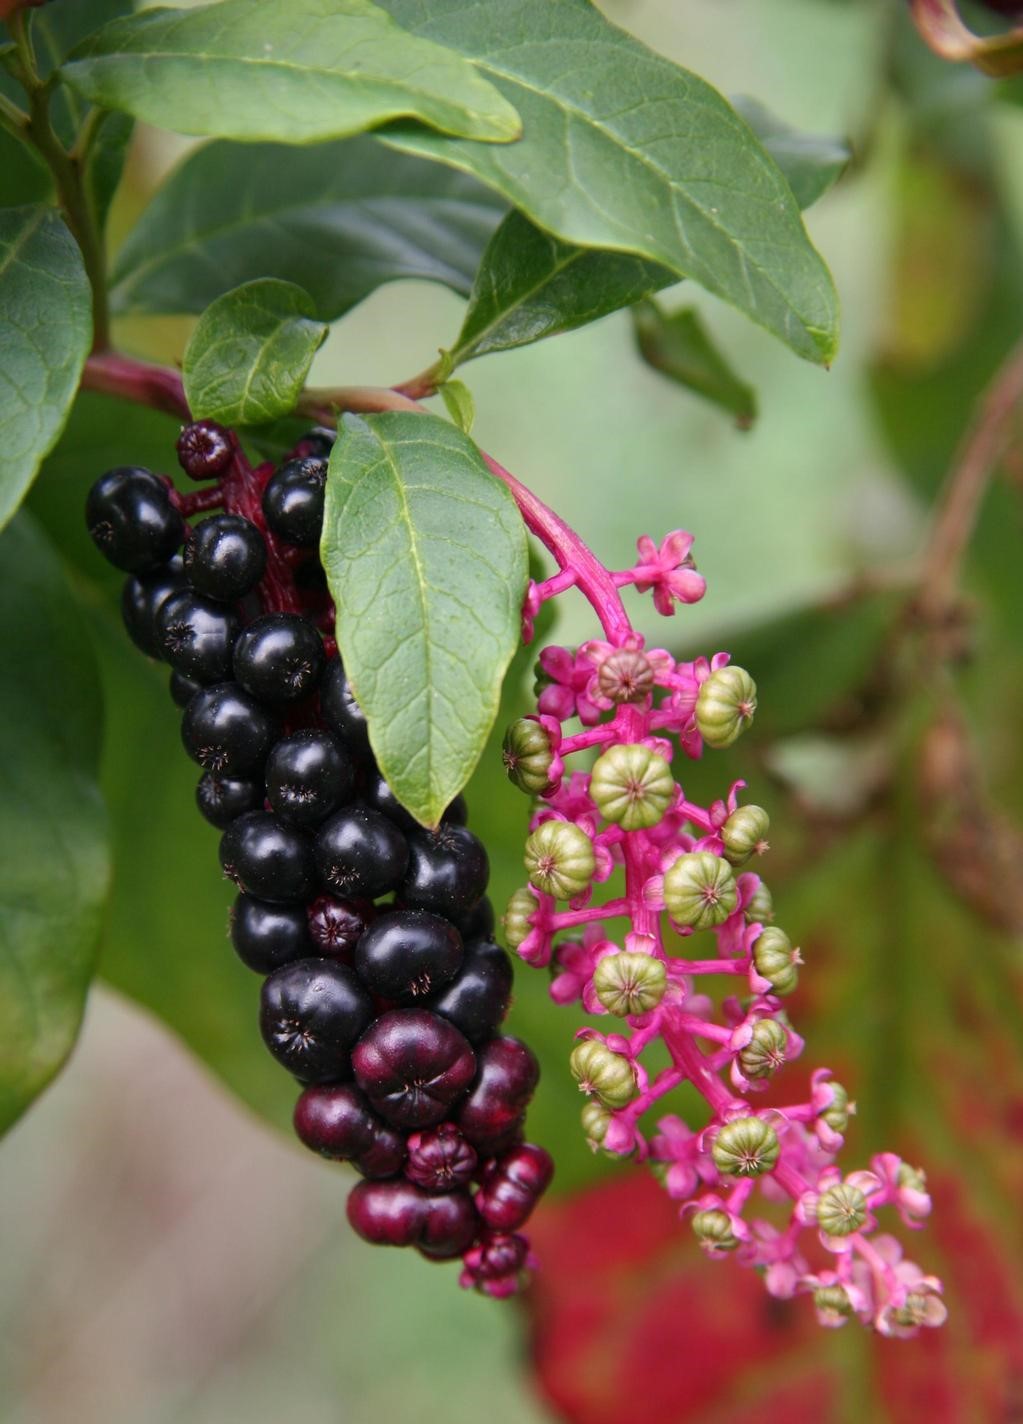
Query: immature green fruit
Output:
(527,756)
(832,1301)
(838,1111)
(631,786)
(559,859)
(714,1230)
(760,909)
(745,833)
(765,1052)
(626,675)
(841,1210)
(725,705)
(596,1120)
(699,890)
(516,917)
(775,959)
(745,1147)
(629,983)
(608,1075)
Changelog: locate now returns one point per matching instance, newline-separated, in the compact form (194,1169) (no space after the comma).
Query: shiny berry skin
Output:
(513,1185)
(223,799)
(412,1066)
(311,1013)
(225,557)
(496,1263)
(440,1159)
(308,775)
(479,922)
(317,442)
(335,1120)
(267,858)
(477,999)
(204,449)
(141,599)
(360,854)
(336,926)
(379,795)
(449,1227)
(266,936)
(227,731)
(196,636)
(293,501)
(407,954)
(341,712)
(447,872)
(279,657)
(131,519)
(387,1213)
(491,1116)
(182,689)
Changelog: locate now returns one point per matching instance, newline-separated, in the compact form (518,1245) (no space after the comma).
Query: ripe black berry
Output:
(512,1186)
(337,925)
(412,1066)
(341,712)
(440,1159)
(408,954)
(267,858)
(223,799)
(196,635)
(225,557)
(308,775)
(476,1000)
(279,657)
(293,501)
(141,599)
(387,1213)
(204,449)
(447,872)
(449,1226)
(336,1121)
(317,442)
(183,689)
(360,853)
(491,1116)
(379,795)
(266,936)
(227,731)
(311,1013)
(478,923)
(131,519)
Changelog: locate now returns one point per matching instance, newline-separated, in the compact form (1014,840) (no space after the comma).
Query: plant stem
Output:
(158,387)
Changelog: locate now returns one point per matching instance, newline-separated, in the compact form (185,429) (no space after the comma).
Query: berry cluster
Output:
(384,990)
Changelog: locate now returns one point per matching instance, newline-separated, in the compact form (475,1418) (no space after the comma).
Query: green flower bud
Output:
(912,1177)
(659,1172)
(745,834)
(714,1230)
(599,1070)
(596,1120)
(841,1210)
(832,1301)
(626,675)
(527,756)
(765,1052)
(699,890)
(725,705)
(559,859)
(745,1147)
(761,907)
(516,917)
(838,1111)
(631,786)
(628,983)
(776,960)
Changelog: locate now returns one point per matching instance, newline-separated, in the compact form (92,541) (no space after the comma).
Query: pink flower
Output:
(904,1186)
(669,571)
(567,692)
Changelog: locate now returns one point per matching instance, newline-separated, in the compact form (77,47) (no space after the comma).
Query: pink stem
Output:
(609,911)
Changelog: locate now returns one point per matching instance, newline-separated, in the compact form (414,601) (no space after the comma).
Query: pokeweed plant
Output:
(340,597)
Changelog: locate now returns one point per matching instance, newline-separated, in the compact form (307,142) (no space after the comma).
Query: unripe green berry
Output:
(760,909)
(912,1177)
(775,959)
(838,1111)
(596,1120)
(725,705)
(516,917)
(599,1070)
(832,1300)
(745,834)
(528,755)
(700,890)
(559,859)
(628,983)
(626,675)
(745,1147)
(631,786)
(841,1210)
(714,1230)
(765,1052)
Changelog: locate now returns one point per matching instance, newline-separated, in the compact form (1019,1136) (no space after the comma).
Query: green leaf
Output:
(338,218)
(45,335)
(291,70)
(812,163)
(248,357)
(461,407)
(425,555)
(56,30)
(24,178)
(648,159)
(52,827)
(105,164)
(680,347)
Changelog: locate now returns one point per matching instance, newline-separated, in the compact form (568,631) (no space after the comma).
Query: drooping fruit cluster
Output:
(383,989)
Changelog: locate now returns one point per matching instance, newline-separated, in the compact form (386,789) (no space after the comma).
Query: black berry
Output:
(440,1159)
(223,799)
(379,795)
(449,1226)
(141,599)
(293,501)
(341,712)
(512,1186)
(387,1213)
(131,519)
(491,1116)
(478,923)
(336,1121)
(308,775)
(279,657)
(266,936)
(360,853)
(196,635)
(477,999)
(227,731)
(407,954)
(183,689)
(412,1066)
(204,449)
(267,858)
(447,872)
(337,925)
(311,1013)
(225,557)
(317,442)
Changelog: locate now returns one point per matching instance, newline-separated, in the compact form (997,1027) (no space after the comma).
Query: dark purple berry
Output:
(387,1213)
(308,775)
(447,871)
(412,1066)
(317,442)
(131,519)
(495,1265)
(267,858)
(196,636)
(293,501)
(477,999)
(360,854)
(478,923)
(225,557)
(266,936)
(204,449)
(141,599)
(491,1116)
(512,1186)
(311,1013)
(279,657)
(440,1159)
(227,731)
(336,926)
(335,1120)
(341,712)
(379,795)
(183,689)
(449,1227)
(407,954)
(222,799)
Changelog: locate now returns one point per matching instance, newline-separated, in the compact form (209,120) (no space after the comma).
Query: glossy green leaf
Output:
(56,30)
(641,149)
(680,347)
(812,163)
(425,555)
(248,357)
(460,405)
(45,335)
(291,70)
(338,218)
(105,164)
(53,844)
